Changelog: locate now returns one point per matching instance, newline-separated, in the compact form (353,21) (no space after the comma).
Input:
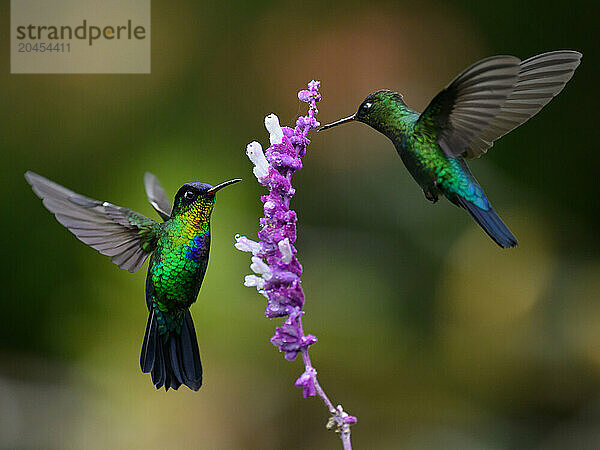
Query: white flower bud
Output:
(286,250)
(259,267)
(247,245)
(256,155)
(274,129)
(253,280)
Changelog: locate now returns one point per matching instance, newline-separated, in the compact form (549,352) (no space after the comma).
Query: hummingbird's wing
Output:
(125,235)
(493,97)
(541,78)
(469,104)
(156,196)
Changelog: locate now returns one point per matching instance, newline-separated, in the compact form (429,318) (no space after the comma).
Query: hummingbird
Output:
(178,248)
(483,103)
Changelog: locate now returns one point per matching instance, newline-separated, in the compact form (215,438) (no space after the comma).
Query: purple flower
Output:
(307,382)
(290,338)
(350,420)
(276,269)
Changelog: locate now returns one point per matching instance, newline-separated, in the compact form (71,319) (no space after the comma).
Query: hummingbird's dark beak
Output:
(213,190)
(338,122)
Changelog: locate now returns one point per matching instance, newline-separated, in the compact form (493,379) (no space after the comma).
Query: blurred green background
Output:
(429,333)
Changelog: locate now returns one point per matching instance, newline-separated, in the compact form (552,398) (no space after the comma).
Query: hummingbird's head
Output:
(374,110)
(197,199)
(377,106)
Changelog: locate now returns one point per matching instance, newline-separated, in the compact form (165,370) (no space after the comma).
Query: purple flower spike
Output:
(276,269)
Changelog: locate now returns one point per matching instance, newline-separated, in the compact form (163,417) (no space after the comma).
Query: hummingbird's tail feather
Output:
(490,222)
(172,359)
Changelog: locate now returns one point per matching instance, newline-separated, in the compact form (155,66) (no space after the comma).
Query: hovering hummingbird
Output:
(179,247)
(482,104)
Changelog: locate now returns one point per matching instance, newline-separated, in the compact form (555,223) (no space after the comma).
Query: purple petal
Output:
(305,96)
(307,382)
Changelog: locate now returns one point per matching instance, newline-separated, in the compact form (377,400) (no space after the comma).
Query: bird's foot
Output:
(433,198)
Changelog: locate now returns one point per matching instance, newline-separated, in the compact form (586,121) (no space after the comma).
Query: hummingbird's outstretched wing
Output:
(493,97)
(541,78)
(156,196)
(467,106)
(125,235)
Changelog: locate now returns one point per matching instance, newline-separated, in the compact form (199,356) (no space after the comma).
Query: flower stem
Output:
(338,415)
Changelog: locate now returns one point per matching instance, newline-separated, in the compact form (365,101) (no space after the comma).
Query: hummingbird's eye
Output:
(367,105)
(189,195)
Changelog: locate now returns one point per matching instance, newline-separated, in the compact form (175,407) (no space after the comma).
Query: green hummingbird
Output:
(483,103)
(179,248)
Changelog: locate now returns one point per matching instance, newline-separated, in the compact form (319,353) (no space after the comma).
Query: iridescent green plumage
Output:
(179,248)
(483,103)
(178,264)
(417,146)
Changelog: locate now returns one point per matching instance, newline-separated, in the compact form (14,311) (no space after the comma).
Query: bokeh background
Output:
(429,333)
